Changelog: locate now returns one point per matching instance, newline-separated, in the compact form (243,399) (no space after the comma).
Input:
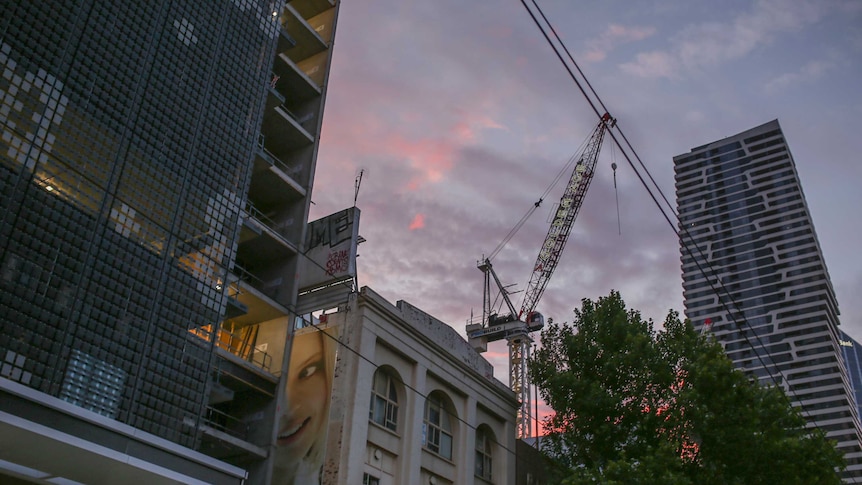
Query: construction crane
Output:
(516,326)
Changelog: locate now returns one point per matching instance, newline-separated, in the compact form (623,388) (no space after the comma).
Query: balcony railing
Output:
(226,423)
(238,343)
(246,276)
(274,161)
(270,224)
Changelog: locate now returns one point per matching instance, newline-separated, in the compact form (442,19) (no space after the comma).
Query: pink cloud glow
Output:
(418,222)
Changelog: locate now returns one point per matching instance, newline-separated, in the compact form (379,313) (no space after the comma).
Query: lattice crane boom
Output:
(567,211)
(516,328)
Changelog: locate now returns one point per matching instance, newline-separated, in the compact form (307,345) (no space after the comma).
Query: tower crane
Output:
(516,326)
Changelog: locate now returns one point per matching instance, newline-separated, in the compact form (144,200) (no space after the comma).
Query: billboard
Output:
(330,250)
(303,417)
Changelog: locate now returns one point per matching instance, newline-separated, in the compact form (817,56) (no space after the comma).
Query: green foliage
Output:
(636,405)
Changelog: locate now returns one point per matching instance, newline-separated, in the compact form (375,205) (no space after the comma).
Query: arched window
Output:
(384,401)
(437,428)
(484,452)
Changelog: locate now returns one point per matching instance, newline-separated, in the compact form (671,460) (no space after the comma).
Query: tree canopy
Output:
(636,405)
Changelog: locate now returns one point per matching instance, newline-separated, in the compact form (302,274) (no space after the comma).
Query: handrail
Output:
(259,358)
(226,423)
(259,216)
(273,160)
(246,275)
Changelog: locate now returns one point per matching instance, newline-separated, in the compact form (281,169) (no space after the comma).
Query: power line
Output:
(682,227)
(563,171)
(377,366)
(417,392)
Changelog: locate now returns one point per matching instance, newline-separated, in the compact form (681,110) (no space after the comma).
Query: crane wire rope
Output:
(687,235)
(343,345)
(292,309)
(616,191)
(563,171)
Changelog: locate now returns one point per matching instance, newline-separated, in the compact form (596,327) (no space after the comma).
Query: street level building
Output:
(413,402)
(156,166)
(753,271)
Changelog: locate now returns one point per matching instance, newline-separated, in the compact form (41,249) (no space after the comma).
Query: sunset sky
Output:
(461,116)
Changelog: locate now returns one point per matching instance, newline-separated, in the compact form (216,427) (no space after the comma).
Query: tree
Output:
(636,405)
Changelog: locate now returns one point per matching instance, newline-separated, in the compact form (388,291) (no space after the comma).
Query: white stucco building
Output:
(413,402)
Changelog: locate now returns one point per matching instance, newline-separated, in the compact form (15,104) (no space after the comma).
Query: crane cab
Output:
(535,321)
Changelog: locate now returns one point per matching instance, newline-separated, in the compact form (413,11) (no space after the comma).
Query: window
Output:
(369,480)
(437,429)
(483,453)
(384,401)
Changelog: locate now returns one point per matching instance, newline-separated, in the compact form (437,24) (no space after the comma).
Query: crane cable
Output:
(563,171)
(616,192)
(732,315)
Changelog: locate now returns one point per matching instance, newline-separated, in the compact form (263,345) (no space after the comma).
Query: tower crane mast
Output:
(516,328)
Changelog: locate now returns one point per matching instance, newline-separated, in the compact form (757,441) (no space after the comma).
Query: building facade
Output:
(753,270)
(156,164)
(413,402)
(852,354)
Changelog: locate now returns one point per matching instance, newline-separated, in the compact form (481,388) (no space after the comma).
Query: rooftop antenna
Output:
(356,185)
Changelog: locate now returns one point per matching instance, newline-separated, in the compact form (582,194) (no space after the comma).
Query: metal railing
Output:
(237,344)
(259,216)
(226,423)
(274,161)
(299,121)
(246,276)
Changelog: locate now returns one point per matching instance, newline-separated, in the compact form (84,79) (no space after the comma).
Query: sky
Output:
(461,116)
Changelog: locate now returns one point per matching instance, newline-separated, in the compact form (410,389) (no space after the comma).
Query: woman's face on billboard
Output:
(307,393)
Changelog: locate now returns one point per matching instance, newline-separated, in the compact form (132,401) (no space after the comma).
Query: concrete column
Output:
(415,414)
(348,423)
(503,456)
(465,459)
(355,449)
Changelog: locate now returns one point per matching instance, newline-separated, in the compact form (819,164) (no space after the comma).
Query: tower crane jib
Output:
(564,218)
(515,328)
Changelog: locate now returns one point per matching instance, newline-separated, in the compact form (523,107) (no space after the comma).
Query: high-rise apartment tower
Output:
(753,270)
(156,163)
(852,352)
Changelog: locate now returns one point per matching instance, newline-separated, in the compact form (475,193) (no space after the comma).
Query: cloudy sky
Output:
(461,116)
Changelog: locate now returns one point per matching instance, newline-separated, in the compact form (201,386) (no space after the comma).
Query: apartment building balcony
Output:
(248,340)
(273,183)
(311,8)
(285,41)
(308,41)
(249,349)
(224,437)
(283,130)
(262,241)
(239,391)
(289,76)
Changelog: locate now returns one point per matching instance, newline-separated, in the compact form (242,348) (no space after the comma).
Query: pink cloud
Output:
(432,158)
(429,157)
(418,222)
(467,129)
(423,136)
